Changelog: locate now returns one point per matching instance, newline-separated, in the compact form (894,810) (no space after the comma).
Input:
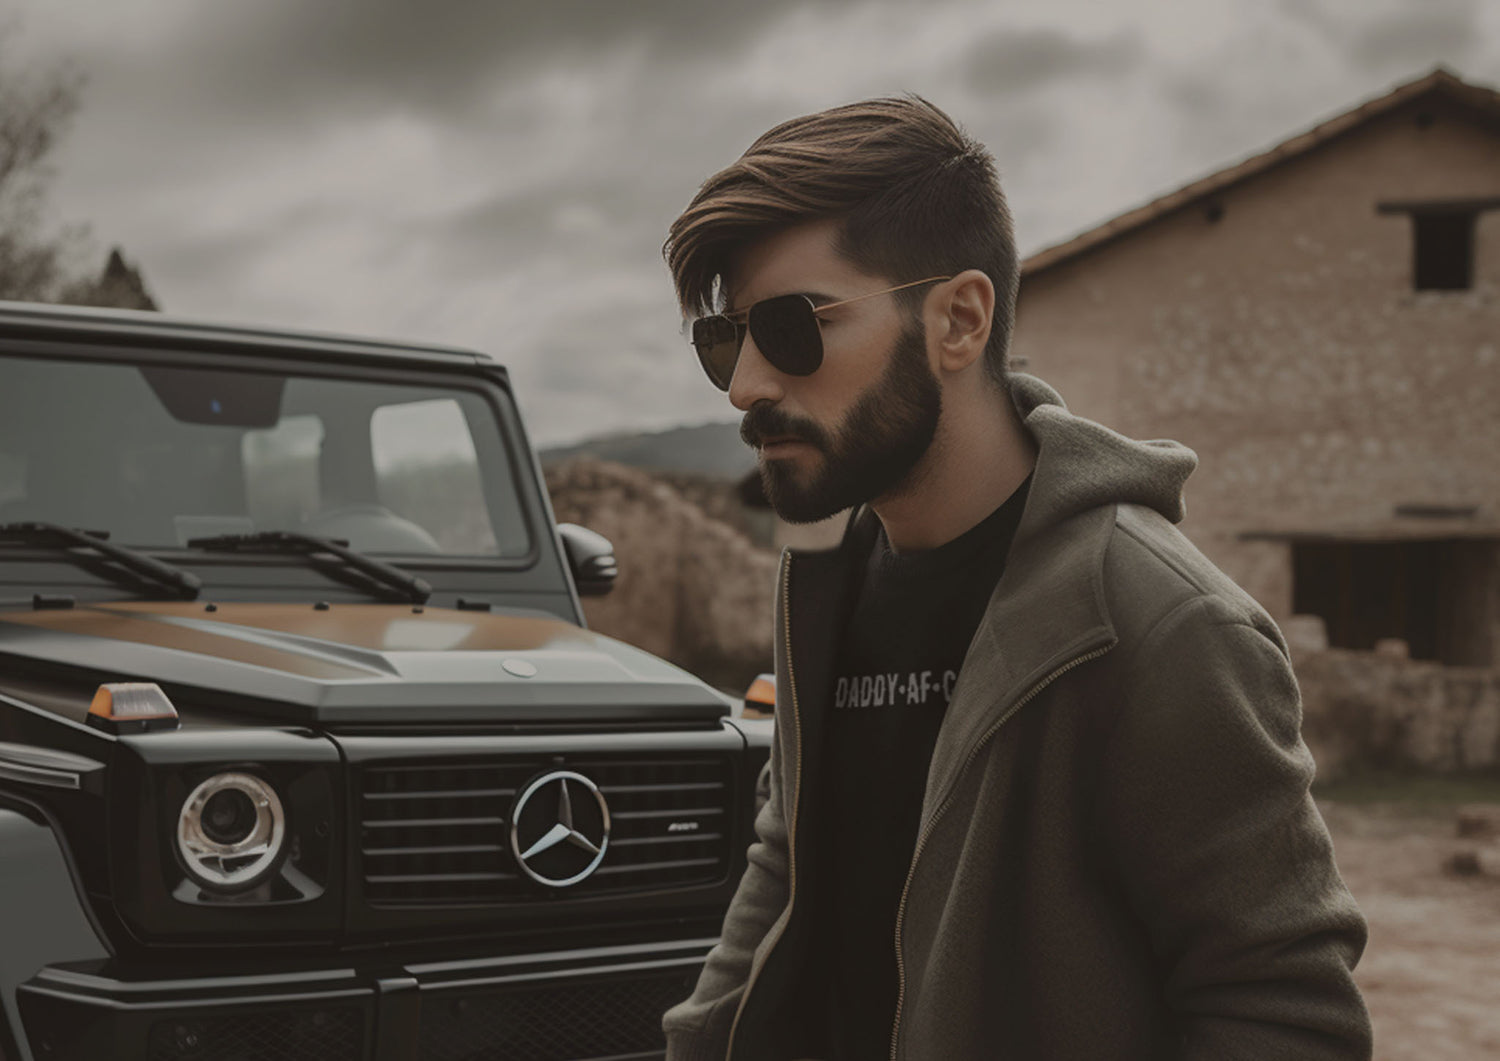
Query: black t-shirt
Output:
(912,622)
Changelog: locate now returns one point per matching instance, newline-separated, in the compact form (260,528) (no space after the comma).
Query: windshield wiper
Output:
(415,589)
(131,566)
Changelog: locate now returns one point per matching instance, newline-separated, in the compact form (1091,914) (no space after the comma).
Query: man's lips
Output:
(782,445)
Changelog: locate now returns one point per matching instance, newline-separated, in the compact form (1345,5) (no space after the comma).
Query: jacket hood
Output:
(1052,598)
(1087,465)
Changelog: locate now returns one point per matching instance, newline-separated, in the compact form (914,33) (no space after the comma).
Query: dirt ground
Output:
(1431,973)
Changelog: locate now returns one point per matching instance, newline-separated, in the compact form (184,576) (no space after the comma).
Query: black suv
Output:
(305,752)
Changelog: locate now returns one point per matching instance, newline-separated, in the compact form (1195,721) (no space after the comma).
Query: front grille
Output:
(437,833)
(267,1035)
(606,1018)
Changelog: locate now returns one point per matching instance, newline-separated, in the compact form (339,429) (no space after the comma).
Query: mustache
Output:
(764,420)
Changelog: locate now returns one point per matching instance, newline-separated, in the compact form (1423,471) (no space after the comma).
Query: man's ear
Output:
(959,317)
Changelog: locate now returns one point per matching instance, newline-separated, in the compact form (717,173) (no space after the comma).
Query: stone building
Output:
(1321,323)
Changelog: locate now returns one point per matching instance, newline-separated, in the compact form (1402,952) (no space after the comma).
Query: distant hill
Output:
(704,449)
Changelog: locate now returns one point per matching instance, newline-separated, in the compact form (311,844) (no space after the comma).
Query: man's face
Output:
(855,429)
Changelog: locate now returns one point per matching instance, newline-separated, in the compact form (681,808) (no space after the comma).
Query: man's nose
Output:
(755,379)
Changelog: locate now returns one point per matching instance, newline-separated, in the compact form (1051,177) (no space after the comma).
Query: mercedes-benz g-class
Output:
(305,750)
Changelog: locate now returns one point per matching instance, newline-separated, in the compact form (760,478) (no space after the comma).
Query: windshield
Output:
(159,455)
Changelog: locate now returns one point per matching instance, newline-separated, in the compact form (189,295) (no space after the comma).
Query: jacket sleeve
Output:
(698,1029)
(1222,852)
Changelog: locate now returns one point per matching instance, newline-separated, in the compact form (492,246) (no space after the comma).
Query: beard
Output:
(883,437)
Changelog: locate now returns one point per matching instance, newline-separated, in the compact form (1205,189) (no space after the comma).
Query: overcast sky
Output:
(500,174)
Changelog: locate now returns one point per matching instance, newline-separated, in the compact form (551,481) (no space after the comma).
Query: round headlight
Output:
(230,830)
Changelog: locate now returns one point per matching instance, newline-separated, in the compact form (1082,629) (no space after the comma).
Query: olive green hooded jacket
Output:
(1118,857)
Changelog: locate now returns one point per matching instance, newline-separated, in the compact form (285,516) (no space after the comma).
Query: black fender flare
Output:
(42,917)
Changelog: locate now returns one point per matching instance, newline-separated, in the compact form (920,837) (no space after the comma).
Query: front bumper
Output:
(577,1005)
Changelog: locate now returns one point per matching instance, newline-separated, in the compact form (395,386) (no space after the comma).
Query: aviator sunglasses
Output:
(785,329)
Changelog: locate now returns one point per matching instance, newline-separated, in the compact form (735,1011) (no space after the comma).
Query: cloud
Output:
(290,63)
(500,175)
(1015,61)
(1393,39)
(590,214)
(1407,40)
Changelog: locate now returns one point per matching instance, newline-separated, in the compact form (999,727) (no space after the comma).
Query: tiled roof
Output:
(1438,82)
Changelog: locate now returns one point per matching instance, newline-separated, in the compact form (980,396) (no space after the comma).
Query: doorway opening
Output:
(1440,596)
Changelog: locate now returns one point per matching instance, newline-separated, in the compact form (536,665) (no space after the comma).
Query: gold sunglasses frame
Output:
(742,316)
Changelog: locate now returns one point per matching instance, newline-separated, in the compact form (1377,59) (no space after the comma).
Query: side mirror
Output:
(591,558)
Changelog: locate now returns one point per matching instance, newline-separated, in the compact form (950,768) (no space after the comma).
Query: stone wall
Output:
(1383,711)
(692,589)
(722,499)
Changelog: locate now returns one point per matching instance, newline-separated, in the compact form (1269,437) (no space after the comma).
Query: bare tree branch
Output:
(35,111)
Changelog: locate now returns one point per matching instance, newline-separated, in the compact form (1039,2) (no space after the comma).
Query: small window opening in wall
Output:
(1443,251)
(1442,239)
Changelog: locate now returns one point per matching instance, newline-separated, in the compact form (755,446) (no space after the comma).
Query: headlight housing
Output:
(230,831)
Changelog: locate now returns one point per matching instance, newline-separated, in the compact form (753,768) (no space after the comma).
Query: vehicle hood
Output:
(361,663)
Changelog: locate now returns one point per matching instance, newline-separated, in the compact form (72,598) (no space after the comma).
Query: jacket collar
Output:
(1049,608)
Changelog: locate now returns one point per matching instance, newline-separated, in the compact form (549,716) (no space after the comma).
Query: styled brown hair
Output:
(915,195)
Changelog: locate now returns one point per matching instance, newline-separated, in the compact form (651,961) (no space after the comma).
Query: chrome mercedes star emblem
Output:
(554,844)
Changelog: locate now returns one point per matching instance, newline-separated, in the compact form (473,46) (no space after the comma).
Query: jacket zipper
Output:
(791,839)
(948,800)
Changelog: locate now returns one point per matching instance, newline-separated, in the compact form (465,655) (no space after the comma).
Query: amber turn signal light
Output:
(131,707)
(760,698)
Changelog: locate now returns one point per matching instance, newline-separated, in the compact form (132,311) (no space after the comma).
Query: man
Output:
(1037,789)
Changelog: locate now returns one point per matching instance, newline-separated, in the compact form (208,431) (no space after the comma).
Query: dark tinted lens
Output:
(786,333)
(717,341)
(228,816)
